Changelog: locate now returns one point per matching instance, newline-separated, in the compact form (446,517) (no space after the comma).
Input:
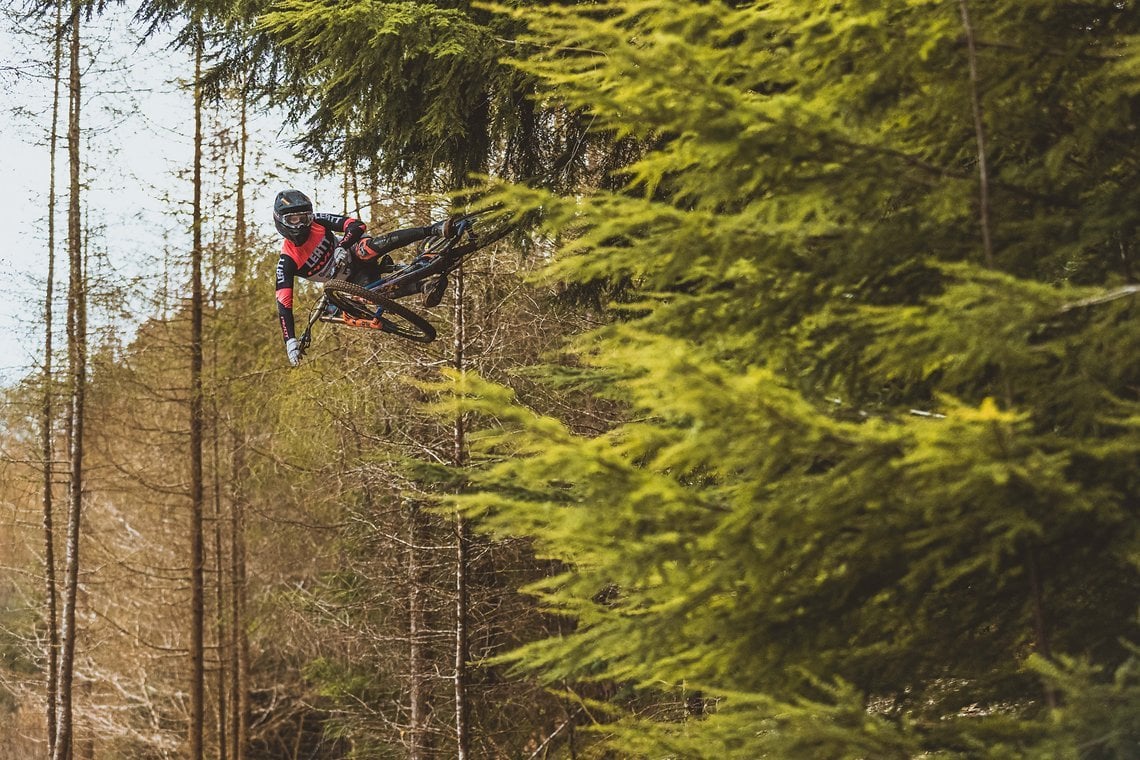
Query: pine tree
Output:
(875,494)
(416,93)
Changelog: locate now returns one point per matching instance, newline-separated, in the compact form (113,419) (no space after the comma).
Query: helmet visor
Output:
(298,219)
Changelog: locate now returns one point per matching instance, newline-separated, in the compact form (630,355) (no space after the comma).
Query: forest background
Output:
(797,419)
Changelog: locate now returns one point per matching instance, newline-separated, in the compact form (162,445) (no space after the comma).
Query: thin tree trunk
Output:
(979,135)
(224,642)
(1040,631)
(297,739)
(77,359)
(462,649)
(197,612)
(417,689)
(239,662)
(239,201)
(239,651)
(46,424)
(462,535)
(373,196)
(345,182)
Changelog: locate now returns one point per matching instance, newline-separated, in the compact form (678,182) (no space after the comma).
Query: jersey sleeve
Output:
(334,222)
(286,274)
(353,229)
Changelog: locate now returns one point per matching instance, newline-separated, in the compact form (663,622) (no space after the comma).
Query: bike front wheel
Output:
(361,307)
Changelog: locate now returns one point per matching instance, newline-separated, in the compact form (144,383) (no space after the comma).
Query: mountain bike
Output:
(375,306)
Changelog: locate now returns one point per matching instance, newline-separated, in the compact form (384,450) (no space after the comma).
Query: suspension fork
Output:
(314,317)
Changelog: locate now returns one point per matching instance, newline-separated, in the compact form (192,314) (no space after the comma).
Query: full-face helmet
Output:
(293,215)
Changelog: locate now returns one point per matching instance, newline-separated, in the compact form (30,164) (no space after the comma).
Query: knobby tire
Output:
(359,305)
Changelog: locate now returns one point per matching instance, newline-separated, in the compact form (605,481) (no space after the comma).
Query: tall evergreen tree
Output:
(878,355)
(411,92)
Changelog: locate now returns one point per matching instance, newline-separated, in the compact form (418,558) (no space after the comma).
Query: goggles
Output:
(298,219)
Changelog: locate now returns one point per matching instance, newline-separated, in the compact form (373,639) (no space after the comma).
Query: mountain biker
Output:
(312,251)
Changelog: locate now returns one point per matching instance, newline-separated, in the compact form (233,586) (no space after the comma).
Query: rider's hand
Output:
(341,257)
(293,348)
(442,228)
(353,231)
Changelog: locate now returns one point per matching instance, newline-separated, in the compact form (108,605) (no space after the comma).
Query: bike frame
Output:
(439,257)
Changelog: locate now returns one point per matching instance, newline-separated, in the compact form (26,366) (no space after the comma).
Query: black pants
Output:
(370,266)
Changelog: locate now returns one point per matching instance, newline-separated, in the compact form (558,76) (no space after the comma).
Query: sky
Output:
(137,119)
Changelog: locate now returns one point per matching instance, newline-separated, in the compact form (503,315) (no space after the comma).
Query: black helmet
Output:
(293,215)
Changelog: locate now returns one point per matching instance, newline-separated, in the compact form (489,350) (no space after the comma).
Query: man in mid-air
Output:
(312,251)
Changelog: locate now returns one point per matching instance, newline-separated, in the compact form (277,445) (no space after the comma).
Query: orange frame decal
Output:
(373,323)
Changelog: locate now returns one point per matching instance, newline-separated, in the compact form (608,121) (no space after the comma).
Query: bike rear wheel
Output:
(359,305)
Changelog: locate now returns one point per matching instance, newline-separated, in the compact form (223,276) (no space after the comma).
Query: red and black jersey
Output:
(312,259)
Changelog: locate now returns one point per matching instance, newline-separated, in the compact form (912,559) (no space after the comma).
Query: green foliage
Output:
(872,490)
(409,79)
(348,686)
(1099,719)
(837,727)
(870,473)
(17,625)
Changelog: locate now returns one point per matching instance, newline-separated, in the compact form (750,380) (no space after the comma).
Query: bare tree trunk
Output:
(345,184)
(462,649)
(197,612)
(221,636)
(420,664)
(77,359)
(46,424)
(239,201)
(373,195)
(417,689)
(980,136)
(239,654)
(1040,631)
(462,536)
(239,651)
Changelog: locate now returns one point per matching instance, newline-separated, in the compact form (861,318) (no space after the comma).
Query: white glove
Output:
(293,348)
(341,257)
